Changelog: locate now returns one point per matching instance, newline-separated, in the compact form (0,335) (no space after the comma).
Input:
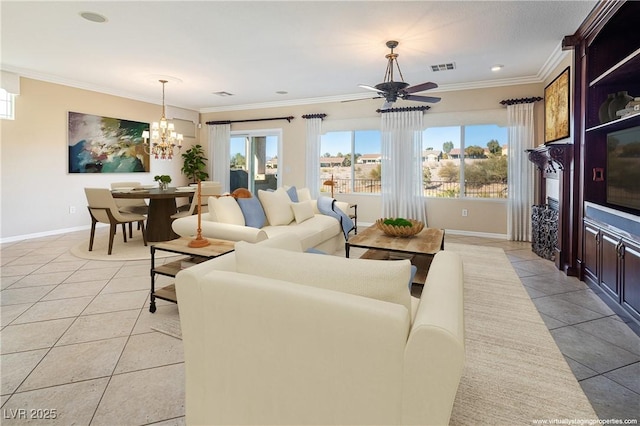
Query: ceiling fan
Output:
(391,90)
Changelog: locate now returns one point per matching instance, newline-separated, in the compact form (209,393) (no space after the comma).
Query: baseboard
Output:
(476,234)
(49,233)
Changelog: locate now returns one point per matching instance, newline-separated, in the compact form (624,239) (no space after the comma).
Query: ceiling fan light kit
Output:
(392,90)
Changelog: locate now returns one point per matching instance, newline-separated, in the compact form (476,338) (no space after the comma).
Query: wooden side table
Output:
(192,256)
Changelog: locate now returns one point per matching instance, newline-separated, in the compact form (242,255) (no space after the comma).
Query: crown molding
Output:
(49,78)
(483,84)
(557,56)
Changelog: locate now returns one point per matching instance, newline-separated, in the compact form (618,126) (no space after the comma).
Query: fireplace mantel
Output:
(555,160)
(551,158)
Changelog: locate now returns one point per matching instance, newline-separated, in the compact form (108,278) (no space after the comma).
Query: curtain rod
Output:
(416,108)
(520,101)
(320,116)
(211,123)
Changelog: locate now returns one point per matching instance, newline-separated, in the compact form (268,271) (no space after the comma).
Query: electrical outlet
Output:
(465,213)
(72,209)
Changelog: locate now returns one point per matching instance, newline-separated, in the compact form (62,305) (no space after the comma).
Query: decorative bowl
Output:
(400,231)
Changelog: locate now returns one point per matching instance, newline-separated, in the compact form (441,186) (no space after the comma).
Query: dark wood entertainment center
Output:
(599,241)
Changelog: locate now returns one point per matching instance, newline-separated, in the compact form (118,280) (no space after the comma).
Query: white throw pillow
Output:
(303,194)
(378,279)
(302,211)
(277,206)
(226,210)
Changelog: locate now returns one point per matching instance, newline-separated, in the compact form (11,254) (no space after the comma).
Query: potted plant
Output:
(163,181)
(194,164)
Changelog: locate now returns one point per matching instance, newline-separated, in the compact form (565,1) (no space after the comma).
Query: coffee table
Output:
(419,249)
(193,256)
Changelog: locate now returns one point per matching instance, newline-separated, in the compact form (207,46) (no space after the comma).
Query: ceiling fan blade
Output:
(419,98)
(364,86)
(420,87)
(361,99)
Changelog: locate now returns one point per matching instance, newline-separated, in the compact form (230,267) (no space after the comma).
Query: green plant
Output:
(162,178)
(398,222)
(194,164)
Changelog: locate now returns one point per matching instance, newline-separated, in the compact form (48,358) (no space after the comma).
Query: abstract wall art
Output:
(106,145)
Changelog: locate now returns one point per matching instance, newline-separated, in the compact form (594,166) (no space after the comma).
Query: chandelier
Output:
(164,138)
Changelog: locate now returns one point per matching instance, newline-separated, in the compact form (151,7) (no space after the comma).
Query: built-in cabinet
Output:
(611,260)
(606,62)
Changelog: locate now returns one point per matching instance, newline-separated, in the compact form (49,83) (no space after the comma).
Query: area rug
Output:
(514,373)
(169,326)
(133,249)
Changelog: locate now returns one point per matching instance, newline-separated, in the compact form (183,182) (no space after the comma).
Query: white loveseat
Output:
(273,335)
(227,220)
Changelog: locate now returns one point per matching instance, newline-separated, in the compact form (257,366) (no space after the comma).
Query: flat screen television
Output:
(623,169)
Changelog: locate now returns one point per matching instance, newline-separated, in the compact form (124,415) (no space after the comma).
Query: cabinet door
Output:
(609,271)
(631,277)
(590,254)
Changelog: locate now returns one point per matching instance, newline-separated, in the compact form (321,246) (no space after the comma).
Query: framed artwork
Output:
(556,108)
(106,145)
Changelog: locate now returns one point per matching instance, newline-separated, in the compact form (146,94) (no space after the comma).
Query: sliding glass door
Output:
(254,160)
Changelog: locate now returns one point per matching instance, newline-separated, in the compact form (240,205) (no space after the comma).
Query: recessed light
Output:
(497,67)
(282,92)
(93,17)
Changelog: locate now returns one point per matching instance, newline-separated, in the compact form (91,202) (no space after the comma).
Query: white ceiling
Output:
(314,50)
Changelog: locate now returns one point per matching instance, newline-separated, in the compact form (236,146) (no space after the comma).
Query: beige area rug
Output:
(169,326)
(514,372)
(133,249)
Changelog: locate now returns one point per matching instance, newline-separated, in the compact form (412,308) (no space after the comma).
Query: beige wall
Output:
(37,191)
(36,188)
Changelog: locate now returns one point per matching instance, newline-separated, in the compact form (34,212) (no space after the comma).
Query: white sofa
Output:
(225,220)
(273,335)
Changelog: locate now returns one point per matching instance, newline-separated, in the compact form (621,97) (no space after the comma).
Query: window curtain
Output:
(402,191)
(219,148)
(521,173)
(314,130)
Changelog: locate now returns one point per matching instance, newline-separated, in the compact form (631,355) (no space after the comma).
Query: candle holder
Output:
(199,241)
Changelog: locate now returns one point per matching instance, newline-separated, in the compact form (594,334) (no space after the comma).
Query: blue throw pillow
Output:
(293,194)
(252,211)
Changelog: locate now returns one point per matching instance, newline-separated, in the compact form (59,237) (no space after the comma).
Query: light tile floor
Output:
(76,342)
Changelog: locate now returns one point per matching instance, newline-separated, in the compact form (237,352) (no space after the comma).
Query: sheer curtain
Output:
(314,130)
(521,173)
(219,148)
(402,192)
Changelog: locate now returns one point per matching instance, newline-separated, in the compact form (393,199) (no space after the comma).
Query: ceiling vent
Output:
(223,94)
(443,67)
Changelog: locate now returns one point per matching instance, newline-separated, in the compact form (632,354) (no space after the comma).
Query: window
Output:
(351,160)
(254,161)
(465,161)
(7,105)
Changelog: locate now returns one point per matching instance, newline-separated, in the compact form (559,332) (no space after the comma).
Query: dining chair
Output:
(130,205)
(207,191)
(103,208)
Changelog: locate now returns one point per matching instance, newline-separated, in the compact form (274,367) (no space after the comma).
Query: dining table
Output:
(162,204)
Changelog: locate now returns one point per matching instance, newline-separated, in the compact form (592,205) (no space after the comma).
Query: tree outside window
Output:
(472,161)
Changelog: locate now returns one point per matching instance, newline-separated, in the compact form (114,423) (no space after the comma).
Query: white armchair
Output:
(263,350)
